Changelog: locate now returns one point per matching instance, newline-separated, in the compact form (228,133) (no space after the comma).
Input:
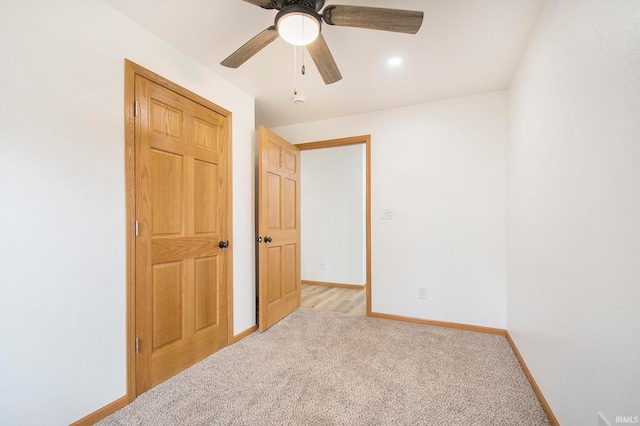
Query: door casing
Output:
(355,140)
(131,70)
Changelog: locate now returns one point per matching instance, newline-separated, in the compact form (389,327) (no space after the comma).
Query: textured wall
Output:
(62,202)
(574,208)
(441,168)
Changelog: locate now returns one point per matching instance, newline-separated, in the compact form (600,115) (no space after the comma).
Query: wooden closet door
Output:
(181,193)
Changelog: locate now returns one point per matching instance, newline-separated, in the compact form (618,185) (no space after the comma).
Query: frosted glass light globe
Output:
(298,28)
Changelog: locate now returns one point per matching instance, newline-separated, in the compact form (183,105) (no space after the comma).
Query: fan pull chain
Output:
(303,56)
(295,73)
(295,67)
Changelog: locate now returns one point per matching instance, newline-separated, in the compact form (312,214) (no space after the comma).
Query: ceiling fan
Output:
(299,22)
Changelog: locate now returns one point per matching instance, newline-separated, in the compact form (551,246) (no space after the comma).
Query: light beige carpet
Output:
(326,368)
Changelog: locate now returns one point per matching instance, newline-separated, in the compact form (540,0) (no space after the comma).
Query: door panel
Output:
(205,177)
(166,193)
(290,162)
(278,219)
(290,204)
(181,195)
(274,274)
(273,202)
(206,292)
(167,303)
(290,284)
(165,120)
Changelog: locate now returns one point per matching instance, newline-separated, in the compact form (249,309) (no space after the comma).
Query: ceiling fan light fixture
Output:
(298,27)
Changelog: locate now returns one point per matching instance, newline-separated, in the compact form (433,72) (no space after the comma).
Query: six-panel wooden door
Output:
(182,189)
(278,227)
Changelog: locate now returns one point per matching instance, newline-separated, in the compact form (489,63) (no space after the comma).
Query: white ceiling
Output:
(464,47)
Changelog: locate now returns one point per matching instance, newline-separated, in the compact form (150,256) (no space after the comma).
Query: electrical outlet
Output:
(422,292)
(387,214)
(323,266)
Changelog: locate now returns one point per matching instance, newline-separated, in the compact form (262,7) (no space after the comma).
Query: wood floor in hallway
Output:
(335,299)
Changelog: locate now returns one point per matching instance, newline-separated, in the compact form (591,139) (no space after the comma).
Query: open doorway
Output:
(336,225)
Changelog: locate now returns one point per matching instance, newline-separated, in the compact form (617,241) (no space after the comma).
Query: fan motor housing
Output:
(312,4)
(294,8)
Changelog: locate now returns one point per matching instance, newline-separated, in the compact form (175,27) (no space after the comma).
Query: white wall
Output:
(333,214)
(441,168)
(574,209)
(62,195)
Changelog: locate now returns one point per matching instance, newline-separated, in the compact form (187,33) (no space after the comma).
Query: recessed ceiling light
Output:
(394,62)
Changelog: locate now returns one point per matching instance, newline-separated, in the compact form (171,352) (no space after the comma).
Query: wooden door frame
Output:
(131,71)
(355,140)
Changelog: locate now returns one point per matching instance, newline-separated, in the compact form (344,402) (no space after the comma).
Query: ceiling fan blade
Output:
(265,4)
(374,18)
(250,48)
(324,61)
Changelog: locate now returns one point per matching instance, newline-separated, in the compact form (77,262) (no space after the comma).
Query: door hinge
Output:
(136,109)
(137,228)
(137,346)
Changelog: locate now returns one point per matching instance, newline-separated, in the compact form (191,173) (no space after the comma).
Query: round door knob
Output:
(223,244)
(267,239)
